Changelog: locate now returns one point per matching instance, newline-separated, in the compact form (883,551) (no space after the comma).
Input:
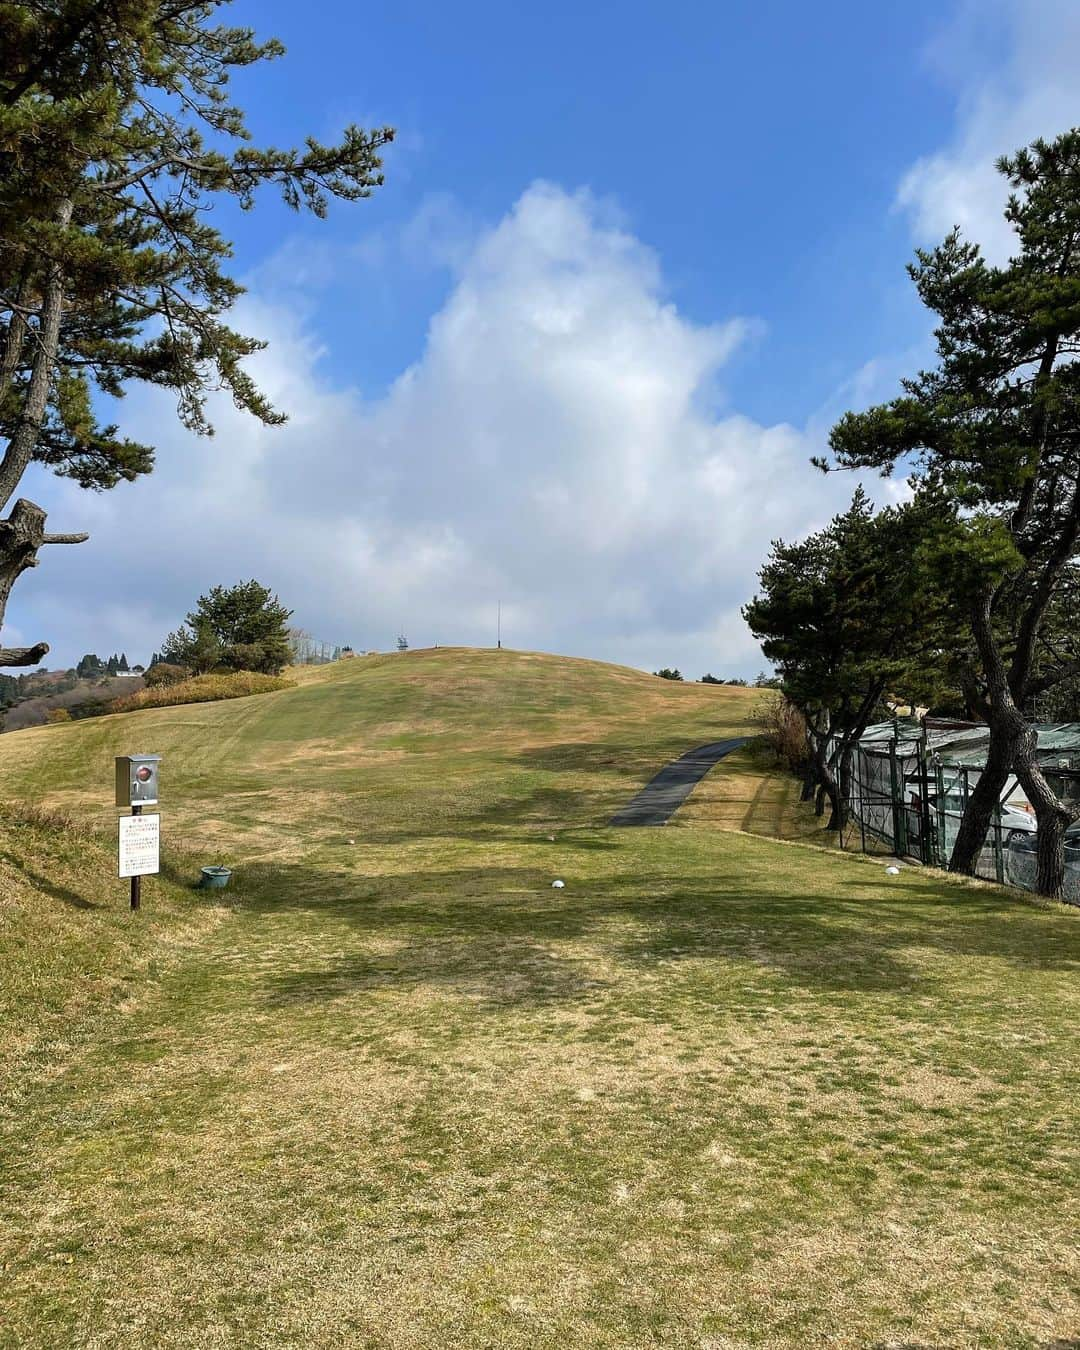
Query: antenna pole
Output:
(499,628)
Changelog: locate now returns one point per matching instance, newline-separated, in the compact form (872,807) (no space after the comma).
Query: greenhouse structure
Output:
(910,781)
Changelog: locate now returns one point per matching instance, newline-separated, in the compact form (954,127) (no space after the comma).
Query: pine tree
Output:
(244,627)
(995,429)
(117,136)
(847,615)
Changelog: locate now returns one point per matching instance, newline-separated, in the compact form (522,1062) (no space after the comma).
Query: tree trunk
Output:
(979,812)
(1013,746)
(845,782)
(46,342)
(838,795)
(829,788)
(15,338)
(1053,818)
(1011,736)
(21,535)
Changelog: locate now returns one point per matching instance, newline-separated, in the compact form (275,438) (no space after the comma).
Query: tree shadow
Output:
(497,973)
(591,757)
(184,872)
(496,932)
(521,819)
(630,763)
(864,944)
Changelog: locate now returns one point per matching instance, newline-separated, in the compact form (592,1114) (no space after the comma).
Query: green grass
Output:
(753,794)
(399,1092)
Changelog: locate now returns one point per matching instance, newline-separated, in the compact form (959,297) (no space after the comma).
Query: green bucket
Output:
(215,878)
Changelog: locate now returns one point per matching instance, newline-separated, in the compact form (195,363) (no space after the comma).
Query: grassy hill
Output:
(396,1091)
(387,748)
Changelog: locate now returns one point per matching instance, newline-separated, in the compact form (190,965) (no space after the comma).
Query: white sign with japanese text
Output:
(140,840)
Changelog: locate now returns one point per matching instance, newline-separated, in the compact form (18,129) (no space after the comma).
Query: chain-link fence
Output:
(906,791)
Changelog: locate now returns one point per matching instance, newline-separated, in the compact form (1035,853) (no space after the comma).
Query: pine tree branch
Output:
(61,43)
(1058,560)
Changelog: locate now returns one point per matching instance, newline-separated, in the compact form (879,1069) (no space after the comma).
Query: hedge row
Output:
(201,689)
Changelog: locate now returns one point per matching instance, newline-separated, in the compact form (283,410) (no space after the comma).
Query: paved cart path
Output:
(661,798)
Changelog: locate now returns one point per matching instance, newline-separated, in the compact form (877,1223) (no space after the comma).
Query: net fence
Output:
(906,792)
(309,651)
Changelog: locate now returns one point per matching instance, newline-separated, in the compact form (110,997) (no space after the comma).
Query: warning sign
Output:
(140,839)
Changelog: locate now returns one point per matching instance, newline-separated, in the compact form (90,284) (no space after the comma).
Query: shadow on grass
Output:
(620,773)
(630,763)
(184,872)
(46,885)
(496,971)
(496,932)
(538,812)
(625,762)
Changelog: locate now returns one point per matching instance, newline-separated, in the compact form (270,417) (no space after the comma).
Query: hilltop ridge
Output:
(429,726)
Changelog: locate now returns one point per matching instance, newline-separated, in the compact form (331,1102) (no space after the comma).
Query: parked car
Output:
(1021,848)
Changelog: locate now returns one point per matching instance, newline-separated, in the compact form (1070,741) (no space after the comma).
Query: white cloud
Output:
(1013,65)
(554,446)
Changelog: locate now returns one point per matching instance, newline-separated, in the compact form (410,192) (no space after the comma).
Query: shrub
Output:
(783,727)
(201,689)
(91,707)
(58,715)
(668,674)
(164,673)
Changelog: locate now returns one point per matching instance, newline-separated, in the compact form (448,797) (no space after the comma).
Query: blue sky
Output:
(756,147)
(629,262)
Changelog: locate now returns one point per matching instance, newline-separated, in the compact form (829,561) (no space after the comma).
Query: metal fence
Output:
(906,800)
(309,651)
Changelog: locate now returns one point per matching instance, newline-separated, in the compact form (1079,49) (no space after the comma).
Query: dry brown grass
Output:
(201,689)
(718,1092)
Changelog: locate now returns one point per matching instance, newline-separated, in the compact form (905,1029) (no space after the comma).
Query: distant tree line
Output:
(966,595)
(763,681)
(231,629)
(42,683)
(91,666)
(18,688)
